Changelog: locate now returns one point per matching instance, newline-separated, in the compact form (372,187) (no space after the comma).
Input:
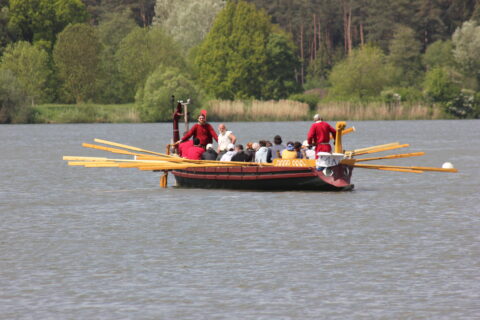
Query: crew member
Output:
(224,138)
(195,152)
(319,135)
(202,130)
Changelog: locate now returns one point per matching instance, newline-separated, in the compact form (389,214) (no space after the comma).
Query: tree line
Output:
(121,51)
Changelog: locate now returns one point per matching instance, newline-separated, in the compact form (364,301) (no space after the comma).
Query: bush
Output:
(464,105)
(14,105)
(153,100)
(396,95)
(310,99)
(439,86)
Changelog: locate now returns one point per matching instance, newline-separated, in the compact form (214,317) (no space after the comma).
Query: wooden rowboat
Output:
(335,178)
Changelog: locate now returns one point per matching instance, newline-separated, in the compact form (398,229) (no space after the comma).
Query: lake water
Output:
(109,243)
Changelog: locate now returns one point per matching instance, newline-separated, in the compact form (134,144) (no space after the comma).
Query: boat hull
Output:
(266,178)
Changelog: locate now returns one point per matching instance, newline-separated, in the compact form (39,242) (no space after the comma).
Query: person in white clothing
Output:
(224,138)
(309,152)
(227,156)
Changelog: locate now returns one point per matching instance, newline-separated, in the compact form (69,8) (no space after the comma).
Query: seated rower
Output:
(298,149)
(184,146)
(289,153)
(229,154)
(309,152)
(195,152)
(263,154)
(209,154)
(241,155)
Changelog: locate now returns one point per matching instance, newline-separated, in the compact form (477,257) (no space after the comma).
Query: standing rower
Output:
(202,130)
(319,135)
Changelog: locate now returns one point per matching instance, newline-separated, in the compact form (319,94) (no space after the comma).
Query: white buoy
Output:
(447,165)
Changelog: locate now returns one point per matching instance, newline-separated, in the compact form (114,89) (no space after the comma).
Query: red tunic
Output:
(194,153)
(184,146)
(319,135)
(204,133)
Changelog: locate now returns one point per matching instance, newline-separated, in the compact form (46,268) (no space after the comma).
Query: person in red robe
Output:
(195,152)
(202,130)
(184,146)
(319,135)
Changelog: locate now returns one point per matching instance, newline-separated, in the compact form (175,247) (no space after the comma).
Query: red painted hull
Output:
(266,178)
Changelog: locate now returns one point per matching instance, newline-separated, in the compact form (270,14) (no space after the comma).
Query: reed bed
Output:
(377,111)
(282,110)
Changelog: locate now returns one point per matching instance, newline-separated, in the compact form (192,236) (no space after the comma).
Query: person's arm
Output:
(212,132)
(188,134)
(333,132)
(311,135)
(232,138)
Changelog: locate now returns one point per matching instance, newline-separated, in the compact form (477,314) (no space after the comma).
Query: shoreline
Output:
(222,111)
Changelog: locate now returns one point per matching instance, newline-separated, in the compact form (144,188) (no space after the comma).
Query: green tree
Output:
(142,51)
(76,56)
(439,53)
(36,20)
(112,86)
(466,41)
(361,75)
(233,60)
(188,21)
(282,62)
(439,85)
(30,66)
(153,101)
(405,54)
(5,36)
(14,106)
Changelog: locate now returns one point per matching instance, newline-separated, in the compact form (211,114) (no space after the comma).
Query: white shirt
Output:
(310,153)
(228,156)
(224,140)
(261,155)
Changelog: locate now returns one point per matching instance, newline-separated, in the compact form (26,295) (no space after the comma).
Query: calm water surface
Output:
(103,243)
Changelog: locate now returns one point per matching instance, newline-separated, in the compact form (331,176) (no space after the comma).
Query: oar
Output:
(113,150)
(394,156)
(400,170)
(381,149)
(130,147)
(376,147)
(231,163)
(377,166)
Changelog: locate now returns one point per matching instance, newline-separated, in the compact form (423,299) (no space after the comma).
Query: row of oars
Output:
(387,147)
(144,159)
(155,161)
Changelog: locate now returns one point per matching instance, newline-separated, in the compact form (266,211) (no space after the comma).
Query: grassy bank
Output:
(221,110)
(85,113)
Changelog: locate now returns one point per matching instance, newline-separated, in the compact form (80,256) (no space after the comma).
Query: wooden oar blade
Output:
(381,149)
(394,156)
(113,150)
(116,144)
(375,166)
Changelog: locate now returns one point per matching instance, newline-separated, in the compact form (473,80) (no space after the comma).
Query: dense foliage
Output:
(244,57)
(121,51)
